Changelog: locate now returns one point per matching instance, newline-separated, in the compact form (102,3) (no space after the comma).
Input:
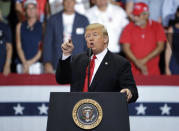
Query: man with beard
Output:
(143,41)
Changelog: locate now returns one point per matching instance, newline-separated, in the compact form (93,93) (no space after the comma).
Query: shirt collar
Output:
(101,55)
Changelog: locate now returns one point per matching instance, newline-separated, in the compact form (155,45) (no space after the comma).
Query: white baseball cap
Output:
(30,2)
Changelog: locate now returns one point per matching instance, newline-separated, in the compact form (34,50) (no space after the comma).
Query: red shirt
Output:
(142,42)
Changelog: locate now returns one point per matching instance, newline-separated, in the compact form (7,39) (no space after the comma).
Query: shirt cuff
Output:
(64,57)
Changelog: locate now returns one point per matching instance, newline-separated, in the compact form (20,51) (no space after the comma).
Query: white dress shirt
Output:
(98,60)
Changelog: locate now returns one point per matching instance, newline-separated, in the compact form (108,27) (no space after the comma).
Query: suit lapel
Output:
(83,66)
(101,70)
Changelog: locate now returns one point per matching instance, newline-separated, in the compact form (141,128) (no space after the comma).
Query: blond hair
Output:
(97,26)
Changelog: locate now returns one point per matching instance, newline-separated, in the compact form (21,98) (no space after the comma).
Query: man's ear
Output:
(106,39)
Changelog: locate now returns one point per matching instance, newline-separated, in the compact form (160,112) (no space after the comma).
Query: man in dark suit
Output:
(112,73)
(64,25)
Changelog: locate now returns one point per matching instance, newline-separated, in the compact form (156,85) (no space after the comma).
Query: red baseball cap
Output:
(140,8)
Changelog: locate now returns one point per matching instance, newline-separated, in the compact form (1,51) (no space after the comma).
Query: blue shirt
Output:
(5,36)
(174,61)
(30,39)
(168,10)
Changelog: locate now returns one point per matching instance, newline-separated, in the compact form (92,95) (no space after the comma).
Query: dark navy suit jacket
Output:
(54,37)
(113,74)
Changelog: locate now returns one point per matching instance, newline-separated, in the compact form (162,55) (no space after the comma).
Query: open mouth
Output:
(91,44)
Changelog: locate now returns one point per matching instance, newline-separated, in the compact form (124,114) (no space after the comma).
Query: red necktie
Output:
(92,65)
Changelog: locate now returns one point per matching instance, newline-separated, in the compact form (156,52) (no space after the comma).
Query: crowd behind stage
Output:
(146,32)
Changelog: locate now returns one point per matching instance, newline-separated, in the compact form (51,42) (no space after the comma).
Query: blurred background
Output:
(31,34)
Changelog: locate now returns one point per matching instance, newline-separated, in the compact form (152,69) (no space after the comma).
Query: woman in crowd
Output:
(172,50)
(42,9)
(29,41)
(5,47)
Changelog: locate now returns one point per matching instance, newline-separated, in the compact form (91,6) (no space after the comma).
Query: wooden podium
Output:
(94,111)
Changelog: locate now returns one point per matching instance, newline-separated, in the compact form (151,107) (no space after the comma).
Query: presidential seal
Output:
(87,114)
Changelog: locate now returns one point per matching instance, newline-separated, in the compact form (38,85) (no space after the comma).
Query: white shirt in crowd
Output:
(67,26)
(36,68)
(114,19)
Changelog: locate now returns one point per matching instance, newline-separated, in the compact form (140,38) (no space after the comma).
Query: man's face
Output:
(69,5)
(96,40)
(101,3)
(141,19)
(31,10)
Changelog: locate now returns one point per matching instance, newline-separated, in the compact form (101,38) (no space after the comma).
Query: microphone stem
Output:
(89,61)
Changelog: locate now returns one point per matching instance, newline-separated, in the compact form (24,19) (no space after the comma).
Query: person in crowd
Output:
(168,11)
(155,8)
(5,7)
(57,5)
(92,3)
(5,47)
(109,72)
(113,17)
(172,49)
(42,7)
(143,41)
(63,26)
(82,5)
(29,41)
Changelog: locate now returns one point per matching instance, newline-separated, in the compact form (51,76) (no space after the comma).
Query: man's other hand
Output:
(128,94)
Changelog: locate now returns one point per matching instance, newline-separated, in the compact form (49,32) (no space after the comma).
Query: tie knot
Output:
(94,57)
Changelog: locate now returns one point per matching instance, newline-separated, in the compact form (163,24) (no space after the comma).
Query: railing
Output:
(49,79)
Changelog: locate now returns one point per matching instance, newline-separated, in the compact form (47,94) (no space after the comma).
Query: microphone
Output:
(90,52)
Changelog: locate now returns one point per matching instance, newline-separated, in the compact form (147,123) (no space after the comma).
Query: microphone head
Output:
(89,52)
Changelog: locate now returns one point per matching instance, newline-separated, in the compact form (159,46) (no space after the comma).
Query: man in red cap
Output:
(143,41)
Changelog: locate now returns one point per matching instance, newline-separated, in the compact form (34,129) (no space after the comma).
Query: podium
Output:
(100,111)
